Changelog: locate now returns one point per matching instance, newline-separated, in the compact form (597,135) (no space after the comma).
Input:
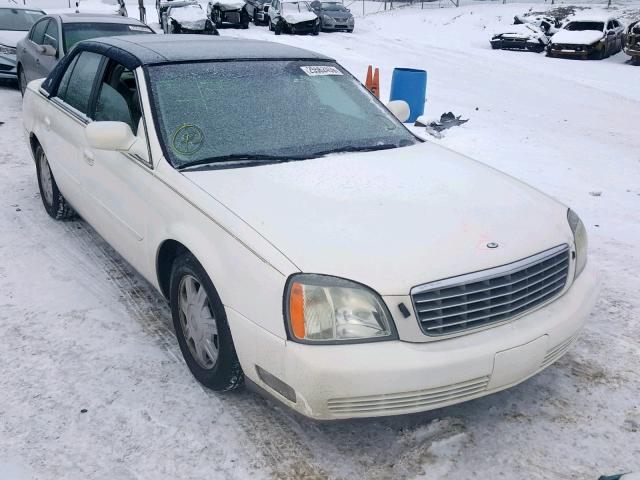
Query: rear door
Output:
(65,119)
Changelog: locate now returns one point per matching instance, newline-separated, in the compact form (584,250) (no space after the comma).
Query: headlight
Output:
(350,20)
(580,240)
(327,19)
(324,309)
(6,50)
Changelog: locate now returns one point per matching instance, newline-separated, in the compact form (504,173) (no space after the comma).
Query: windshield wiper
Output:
(350,148)
(237,159)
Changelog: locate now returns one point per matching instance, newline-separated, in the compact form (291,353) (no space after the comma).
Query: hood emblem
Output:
(492,245)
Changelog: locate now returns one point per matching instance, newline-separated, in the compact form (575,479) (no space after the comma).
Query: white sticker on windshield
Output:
(321,70)
(135,28)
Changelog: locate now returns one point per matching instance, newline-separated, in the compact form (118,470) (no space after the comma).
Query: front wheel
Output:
(53,201)
(201,326)
(278,28)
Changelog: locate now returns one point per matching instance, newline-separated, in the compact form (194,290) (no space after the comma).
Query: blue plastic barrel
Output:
(410,85)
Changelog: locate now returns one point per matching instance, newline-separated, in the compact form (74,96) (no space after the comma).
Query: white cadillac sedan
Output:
(330,257)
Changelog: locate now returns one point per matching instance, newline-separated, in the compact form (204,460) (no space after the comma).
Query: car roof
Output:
(155,49)
(94,18)
(591,18)
(13,6)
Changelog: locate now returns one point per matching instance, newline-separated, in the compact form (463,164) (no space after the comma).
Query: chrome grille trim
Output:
(472,301)
(399,402)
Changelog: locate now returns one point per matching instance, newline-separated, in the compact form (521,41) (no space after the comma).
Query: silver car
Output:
(53,36)
(15,22)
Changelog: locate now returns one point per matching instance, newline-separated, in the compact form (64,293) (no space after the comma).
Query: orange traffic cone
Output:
(375,85)
(369,82)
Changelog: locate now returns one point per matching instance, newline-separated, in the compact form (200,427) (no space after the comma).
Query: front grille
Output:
(232,17)
(404,402)
(475,300)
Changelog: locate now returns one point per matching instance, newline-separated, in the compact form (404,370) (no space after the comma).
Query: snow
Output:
(81,330)
(571,37)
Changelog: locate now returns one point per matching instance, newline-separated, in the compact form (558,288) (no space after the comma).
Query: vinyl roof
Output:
(154,49)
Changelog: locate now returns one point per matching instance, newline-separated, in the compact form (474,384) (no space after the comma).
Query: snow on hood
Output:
(584,37)
(382,218)
(229,5)
(297,17)
(189,15)
(11,37)
(521,30)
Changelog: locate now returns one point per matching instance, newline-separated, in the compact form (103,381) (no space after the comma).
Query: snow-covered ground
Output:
(80,332)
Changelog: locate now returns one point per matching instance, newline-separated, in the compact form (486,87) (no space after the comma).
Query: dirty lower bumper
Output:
(8,67)
(397,377)
(517,44)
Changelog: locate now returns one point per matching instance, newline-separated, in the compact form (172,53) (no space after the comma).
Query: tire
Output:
(316,31)
(223,372)
(278,28)
(271,29)
(22,81)
(52,200)
(256,22)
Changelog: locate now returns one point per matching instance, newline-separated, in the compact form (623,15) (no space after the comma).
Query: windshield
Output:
(306,109)
(337,7)
(16,19)
(582,26)
(76,32)
(295,7)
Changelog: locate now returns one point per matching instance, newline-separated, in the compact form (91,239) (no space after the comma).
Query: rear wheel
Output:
(201,326)
(53,201)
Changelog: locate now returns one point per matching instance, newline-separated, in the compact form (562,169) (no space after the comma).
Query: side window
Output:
(610,26)
(51,35)
(64,82)
(37,32)
(118,98)
(82,73)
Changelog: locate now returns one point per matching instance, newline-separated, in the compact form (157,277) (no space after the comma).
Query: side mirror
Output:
(47,50)
(400,110)
(115,136)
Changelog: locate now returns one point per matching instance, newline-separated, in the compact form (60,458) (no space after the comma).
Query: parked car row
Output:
(586,38)
(282,16)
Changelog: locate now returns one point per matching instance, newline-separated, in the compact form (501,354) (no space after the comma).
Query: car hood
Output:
(521,31)
(297,17)
(337,15)
(585,37)
(11,37)
(391,219)
(230,5)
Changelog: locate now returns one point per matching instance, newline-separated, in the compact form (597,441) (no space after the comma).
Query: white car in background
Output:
(15,22)
(288,16)
(185,16)
(343,265)
(588,37)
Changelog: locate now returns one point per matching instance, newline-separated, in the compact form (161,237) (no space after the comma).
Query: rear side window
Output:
(37,32)
(78,81)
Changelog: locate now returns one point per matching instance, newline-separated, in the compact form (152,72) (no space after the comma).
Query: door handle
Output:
(88,156)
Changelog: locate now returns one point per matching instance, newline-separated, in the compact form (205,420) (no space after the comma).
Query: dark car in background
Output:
(15,22)
(258,10)
(51,38)
(333,16)
(632,41)
(231,13)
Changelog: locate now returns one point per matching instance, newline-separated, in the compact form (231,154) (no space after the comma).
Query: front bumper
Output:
(397,377)
(573,50)
(302,27)
(517,44)
(337,26)
(8,67)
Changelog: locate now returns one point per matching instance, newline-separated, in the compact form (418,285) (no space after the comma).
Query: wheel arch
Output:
(34,143)
(166,255)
